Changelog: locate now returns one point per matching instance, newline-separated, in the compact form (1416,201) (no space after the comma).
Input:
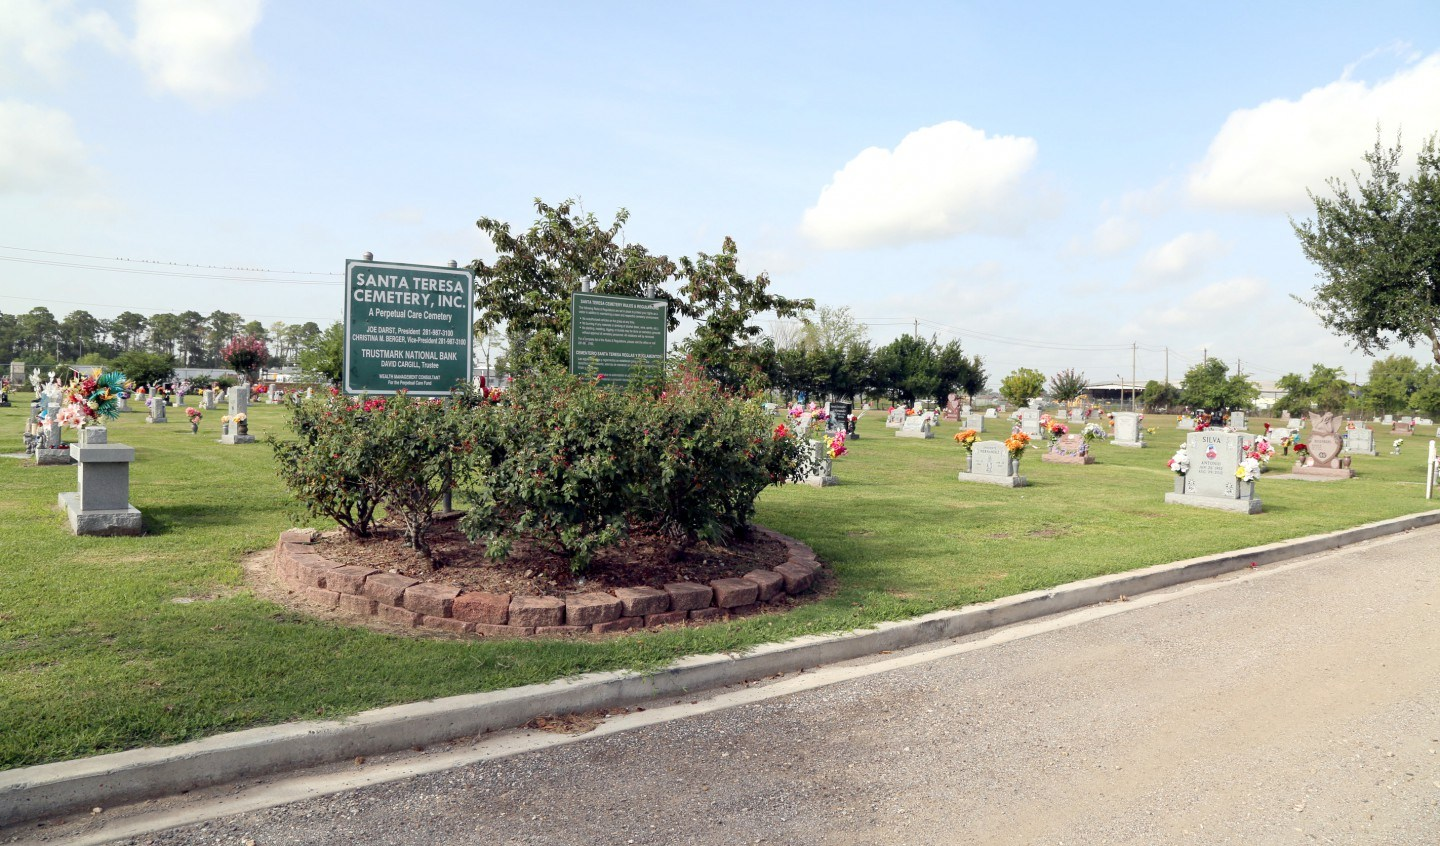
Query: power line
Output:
(171,263)
(138,271)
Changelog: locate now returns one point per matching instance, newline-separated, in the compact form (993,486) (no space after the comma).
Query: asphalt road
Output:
(1298,703)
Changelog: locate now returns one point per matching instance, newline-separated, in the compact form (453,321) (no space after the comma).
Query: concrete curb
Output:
(38,792)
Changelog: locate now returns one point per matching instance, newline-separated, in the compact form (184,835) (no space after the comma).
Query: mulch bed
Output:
(530,570)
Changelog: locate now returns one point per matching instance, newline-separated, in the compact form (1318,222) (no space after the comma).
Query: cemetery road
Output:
(1295,703)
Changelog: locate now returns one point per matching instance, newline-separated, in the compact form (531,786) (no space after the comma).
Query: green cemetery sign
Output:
(407,327)
(611,335)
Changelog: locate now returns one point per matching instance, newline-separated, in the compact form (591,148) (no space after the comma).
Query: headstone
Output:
(1399,427)
(965,409)
(802,424)
(1076,416)
(839,415)
(102,504)
(238,403)
(991,464)
(1324,460)
(157,411)
(974,421)
(1360,441)
(1185,424)
(1127,430)
(896,418)
(1069,449)
(916,426)
(1293,423)
(208,397)
(991,413)
(1211,482)
(952,407)
(124,403)
(821,477)
(1030,421)
(275,393)
(93,435)
(1238,421)
(1388,419)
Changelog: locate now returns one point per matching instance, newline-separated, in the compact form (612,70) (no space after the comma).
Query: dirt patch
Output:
(531,570)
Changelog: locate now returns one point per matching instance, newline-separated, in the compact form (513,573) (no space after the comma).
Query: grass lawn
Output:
(112,643)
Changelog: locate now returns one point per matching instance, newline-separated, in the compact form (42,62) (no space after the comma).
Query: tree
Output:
(165,333)
(1206,386)
(1323,390)
(80,333)
(128,330)
(192,337)
(1378,252)
(220,327)
(1159,396)
(1393,380)
(247,354)
(907,369)
(40,331)
(956,373)
(1022,385)
(324,355)
(145,368)
(1066,385)
(527,289)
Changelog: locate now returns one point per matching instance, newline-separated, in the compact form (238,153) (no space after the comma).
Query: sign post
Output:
(612,336)
(408,327)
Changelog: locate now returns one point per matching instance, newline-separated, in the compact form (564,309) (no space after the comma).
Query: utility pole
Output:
(1204,355)
(917,330)
(1133,347)
(1167,367)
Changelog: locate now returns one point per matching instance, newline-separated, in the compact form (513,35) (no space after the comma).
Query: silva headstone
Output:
(1212,481)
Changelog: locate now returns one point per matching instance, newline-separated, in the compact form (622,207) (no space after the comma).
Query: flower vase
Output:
(1247,489)
(242,427)
(194,428)
(1014,467)
(969,463)
(1179,483)
(224,428)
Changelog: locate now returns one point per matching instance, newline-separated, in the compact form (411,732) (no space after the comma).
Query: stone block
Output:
(388,588)
(730,593)
(430,598)
(770,583)
(798,578)
(320,596)
(359,606)
(747,610)
(642,601)
(587,609)
(621,625)
(349,578)
(488,630)
(667,618)
(568,631)
(448,624)
(396,615)
(688,596)
(707,615)
(305,536)
(481,607)
(536,611)
(311,570)
(108,523)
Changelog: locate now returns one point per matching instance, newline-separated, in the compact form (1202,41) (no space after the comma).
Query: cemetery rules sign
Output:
(407,327)
(612,335)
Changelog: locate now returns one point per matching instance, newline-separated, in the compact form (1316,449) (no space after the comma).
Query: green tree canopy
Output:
(145,368)
(1067,385)
(1393,380)
(1022,385)
(1159,396)
(907,369)
(1207,386)
(1377,250)
(324,354)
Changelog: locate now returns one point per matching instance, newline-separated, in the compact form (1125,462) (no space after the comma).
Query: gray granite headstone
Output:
(896,418)
(1030,421)
(1238,421)
(990,463)
(1185,424)
(916,426)
(1127,430)
(239,403)
(157,411)
(821,476)
(974,421)
(1211,483)
(102,504)
(1360,441)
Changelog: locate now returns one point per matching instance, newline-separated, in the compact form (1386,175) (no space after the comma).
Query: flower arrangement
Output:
(1247,470)
(1301,449)
(1016,444)
(1261,451)
(240,418)
(909,412)
(1179,462)
(1093,432)
(967,438)
(1058,429)
(92,397)
(194,414)
(1395,446)
(835,446)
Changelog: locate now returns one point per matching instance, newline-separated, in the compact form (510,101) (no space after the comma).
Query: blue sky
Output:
(1049,183)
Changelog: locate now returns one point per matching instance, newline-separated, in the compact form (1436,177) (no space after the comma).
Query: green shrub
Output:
(328,466)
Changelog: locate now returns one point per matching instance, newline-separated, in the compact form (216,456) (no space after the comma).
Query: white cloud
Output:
(198,49)
(1111,238)
(1229,297)
(939,181)
(1180,257)
(39,150)
(1265,158)
(37,36)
